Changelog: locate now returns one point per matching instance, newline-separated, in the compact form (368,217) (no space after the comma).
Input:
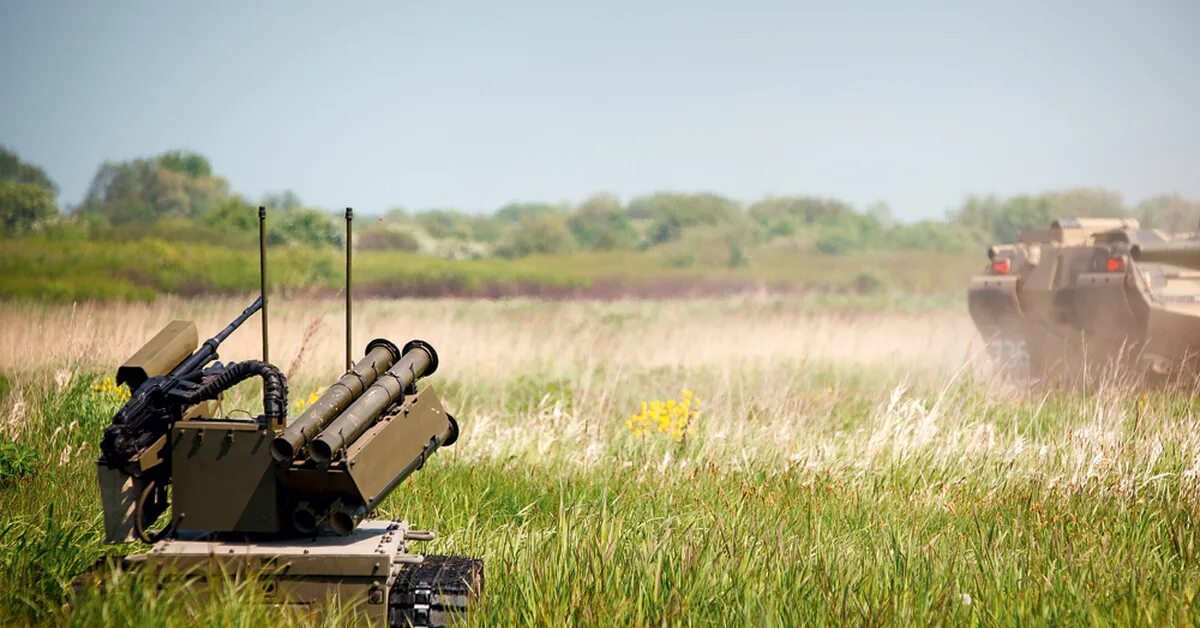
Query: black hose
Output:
(274,387)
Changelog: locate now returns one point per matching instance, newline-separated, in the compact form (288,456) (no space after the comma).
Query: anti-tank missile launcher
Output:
(289,502)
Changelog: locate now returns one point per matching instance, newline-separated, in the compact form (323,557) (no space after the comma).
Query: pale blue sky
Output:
(472,105)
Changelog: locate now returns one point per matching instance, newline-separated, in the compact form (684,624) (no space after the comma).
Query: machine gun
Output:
(158,400)
(253,494)
(134,461)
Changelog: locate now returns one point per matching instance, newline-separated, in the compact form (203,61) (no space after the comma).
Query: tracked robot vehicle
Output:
(1090,293)
(289,501)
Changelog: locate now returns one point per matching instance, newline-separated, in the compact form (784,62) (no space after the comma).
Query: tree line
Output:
(176,196)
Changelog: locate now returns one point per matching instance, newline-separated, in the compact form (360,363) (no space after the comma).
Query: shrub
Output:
(868,282)
(16,461)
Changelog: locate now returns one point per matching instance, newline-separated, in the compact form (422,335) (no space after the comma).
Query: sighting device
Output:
(288,500)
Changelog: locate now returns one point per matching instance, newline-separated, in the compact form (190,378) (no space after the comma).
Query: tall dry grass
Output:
(499,336)
(844,467)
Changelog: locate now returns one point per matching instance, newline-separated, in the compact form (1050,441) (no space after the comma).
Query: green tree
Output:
(444,223)
(304,225)
(669,213)
(451,224)
(882,213)
(845,232)
(931,235)
(1020,213)
(484,228)
(397,214)
(13,170)
(537,233)
(185,162)
(234,214)
(1169,212)
(1001,220)
(1093,202)
(786,215)
(286,199)
(998,220)
(601,224)
(387,236)
(512,213)
(144,190)
(24,205)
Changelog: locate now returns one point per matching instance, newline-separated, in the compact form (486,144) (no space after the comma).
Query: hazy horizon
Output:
(472,106)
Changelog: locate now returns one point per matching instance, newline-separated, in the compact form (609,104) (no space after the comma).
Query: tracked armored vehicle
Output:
(288,501)
(1090,294)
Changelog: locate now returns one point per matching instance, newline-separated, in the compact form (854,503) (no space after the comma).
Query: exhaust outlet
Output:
(306,519)
(344,517)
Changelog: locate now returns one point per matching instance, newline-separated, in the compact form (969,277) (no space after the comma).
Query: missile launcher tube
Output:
(381,355)
(418,359)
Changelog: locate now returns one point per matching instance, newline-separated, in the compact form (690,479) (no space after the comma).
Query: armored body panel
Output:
(371,572)
(1088,294)
(222,477)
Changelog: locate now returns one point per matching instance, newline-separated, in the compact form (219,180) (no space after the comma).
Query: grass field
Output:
(843,465)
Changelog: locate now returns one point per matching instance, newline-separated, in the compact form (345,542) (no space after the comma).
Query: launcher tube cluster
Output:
(381,355)
(419,359)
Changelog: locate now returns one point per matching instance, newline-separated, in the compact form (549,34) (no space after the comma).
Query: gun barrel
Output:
(1186,254)
(418,359)
(380,356)
(208,351)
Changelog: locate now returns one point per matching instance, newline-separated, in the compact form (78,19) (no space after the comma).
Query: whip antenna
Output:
(262,276)
(349,248)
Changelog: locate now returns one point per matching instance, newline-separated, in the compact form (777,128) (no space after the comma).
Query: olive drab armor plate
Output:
(370,571)
(223,476)
(169,347)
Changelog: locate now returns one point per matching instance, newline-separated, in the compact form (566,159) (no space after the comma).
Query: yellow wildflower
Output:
(305,402)
(107,389)
(672,418)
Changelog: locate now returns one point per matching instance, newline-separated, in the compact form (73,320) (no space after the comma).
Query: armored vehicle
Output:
(1090,294)
(286,500)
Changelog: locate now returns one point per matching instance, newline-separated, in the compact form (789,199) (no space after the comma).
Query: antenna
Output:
(262,275)
(349,248)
